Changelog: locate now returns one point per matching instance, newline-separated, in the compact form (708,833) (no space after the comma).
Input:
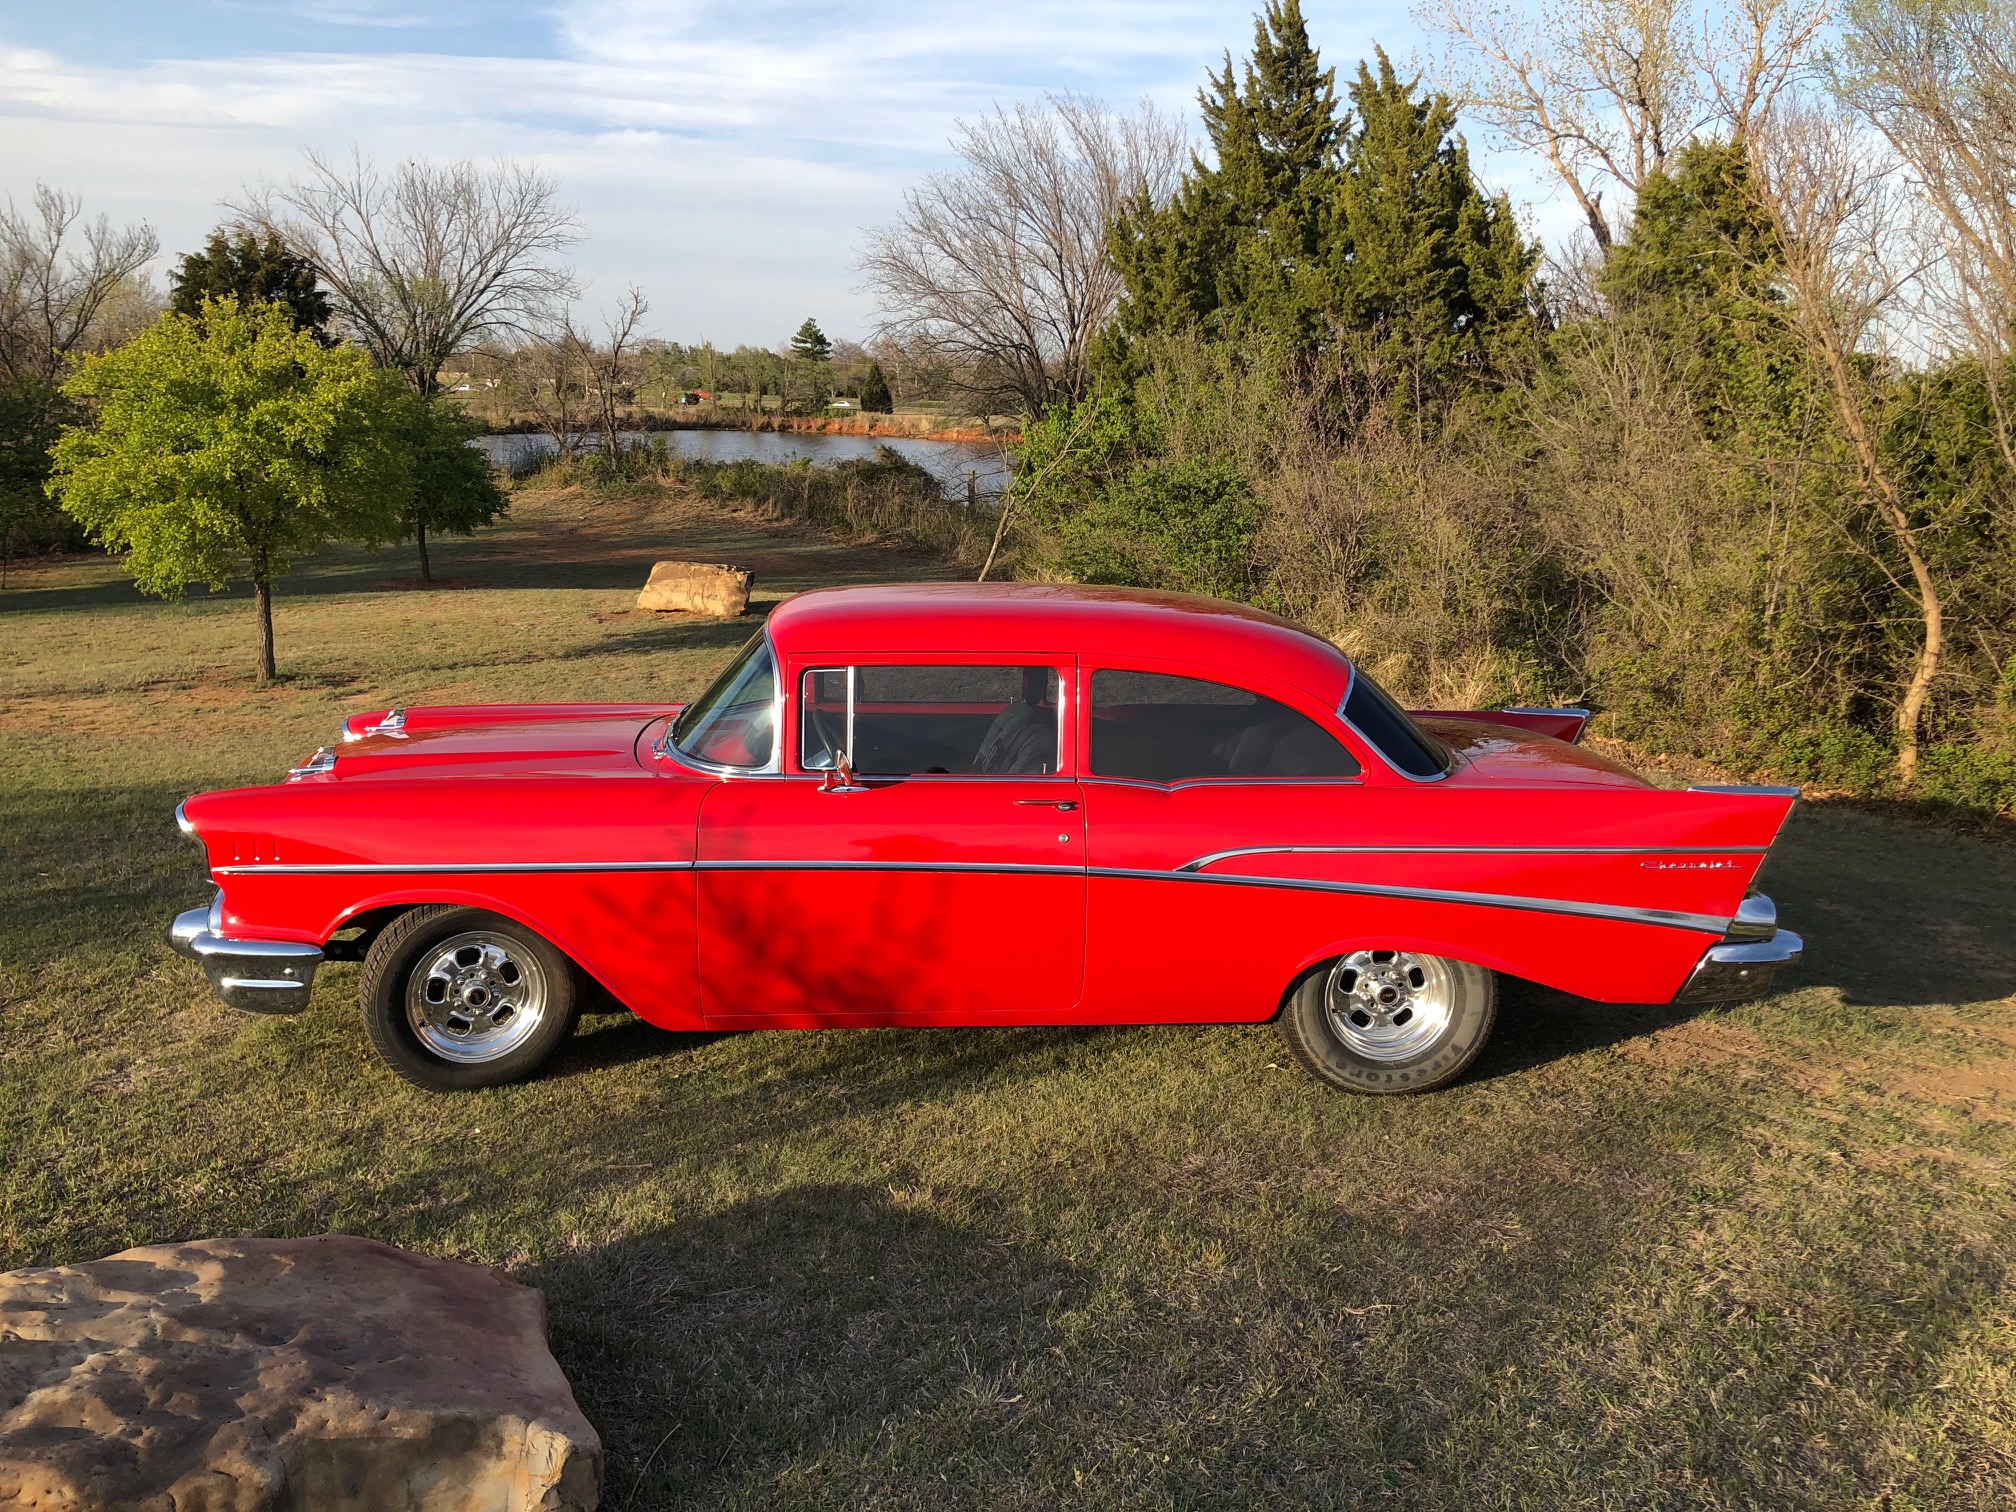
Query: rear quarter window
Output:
(1370,710)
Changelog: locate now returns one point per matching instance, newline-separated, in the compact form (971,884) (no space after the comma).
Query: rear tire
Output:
(459,998)
(1384,1022)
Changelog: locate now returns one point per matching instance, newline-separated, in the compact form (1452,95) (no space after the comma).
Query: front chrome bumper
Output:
(258,976)
(1742,966)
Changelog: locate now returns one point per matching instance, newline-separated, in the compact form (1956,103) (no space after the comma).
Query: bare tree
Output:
(423,261)
(999,269)
(1834,213)
(1938,80)
(54,292)
(549,375)
(613,372)
(1607,90)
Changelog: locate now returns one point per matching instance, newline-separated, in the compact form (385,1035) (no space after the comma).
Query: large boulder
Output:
(697,588)
(242,1375)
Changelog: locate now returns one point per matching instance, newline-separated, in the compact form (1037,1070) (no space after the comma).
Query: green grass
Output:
(1643,1257)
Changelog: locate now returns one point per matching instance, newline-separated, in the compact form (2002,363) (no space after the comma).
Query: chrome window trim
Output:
(850,668)
(1715,924)
(1520,709)
(664,747)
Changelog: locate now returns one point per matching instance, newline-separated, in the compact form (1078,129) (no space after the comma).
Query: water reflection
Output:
(949,461)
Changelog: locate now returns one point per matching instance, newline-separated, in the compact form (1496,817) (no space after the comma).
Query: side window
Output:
(1170,729)
(930,720)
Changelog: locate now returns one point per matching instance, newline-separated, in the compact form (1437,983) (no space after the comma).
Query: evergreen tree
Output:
(252,270)
(875,396)
(1426,269)
(1696,276)
(1241,246)
(810,343)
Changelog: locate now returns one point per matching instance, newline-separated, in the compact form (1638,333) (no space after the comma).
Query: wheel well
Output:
(1335,953)
(353,941)
(1295,985)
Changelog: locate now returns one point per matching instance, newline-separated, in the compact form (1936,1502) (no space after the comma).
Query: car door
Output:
(1176,770)
(920,860)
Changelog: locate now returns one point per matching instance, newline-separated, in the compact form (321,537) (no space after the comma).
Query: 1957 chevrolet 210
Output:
(955,804)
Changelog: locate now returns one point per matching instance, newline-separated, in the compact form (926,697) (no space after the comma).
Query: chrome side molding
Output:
(1749,789)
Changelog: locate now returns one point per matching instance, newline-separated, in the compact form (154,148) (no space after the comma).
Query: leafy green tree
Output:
(454,487)
(229,443)
(1187,526)
(810,343)
(875,396)
(252,270)
(1426,269)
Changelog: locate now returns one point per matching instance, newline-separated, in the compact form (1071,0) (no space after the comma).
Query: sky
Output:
(725,157)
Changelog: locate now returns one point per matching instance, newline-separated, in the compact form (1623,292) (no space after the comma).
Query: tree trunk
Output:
(420,536)
(262,595)
(1876,479)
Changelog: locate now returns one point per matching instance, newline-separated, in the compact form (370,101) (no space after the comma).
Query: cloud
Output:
(725,156)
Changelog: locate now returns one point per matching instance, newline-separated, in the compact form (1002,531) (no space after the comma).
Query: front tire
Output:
(459,998)
(1390,1021)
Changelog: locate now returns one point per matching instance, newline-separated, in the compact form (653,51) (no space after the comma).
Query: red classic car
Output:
(956,804)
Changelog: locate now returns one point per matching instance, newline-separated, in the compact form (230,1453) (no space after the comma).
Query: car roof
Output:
(1098,624)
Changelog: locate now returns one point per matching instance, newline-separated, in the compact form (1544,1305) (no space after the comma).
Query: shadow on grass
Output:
(1896,913)
(718,1352)
(1464,1319)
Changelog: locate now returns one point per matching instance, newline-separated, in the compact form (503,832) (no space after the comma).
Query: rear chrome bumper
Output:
(258,976)
(1743,965)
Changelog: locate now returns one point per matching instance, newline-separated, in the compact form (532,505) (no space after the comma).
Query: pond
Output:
(948,461)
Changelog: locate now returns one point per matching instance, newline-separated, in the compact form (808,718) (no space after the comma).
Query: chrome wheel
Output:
(1387,1005)
(476,997)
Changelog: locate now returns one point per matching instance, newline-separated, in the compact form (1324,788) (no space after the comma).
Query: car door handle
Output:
(1064,805)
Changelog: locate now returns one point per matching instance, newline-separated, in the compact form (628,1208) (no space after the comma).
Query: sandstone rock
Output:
(697,588)
(252,1375)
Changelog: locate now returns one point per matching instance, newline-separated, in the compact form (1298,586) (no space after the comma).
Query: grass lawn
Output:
(1642,1257)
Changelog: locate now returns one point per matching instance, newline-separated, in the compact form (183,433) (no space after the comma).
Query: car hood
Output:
(490,739)
(1501,754)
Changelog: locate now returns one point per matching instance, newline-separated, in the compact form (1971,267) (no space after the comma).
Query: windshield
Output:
(734,723)
(1370,710)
